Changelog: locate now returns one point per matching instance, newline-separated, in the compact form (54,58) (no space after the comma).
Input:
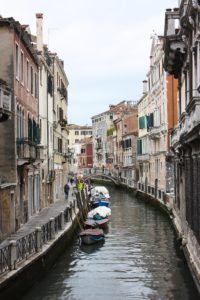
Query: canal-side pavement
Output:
(21,276)
(40,219)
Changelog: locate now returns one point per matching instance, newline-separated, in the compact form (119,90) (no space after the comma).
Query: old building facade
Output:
(77,134)
(155,164)
(45,115)
(19,156)
(60,137)
(182,60)
(86,156)
(129,144)
(33,94)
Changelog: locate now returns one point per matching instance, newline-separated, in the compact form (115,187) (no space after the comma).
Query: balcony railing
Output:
(143,157)
(154,132)
(41,152)
(26,149)
(193,113)
(63,123)
(174,46)
(175,136)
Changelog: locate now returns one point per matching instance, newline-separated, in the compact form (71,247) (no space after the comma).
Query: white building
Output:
(76,136)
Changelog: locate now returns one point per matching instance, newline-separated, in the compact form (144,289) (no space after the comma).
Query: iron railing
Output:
(4,259)
(26,246)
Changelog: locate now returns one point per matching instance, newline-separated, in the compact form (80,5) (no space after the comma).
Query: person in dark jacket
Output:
(71,180)
(66,190)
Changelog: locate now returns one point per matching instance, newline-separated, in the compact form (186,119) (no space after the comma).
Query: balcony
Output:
(175,136)
(41,152)
(63,92)
(193,112)
(66,156)
(143,157)
(63,123)
(5,102)
(154,133)
(26,150)
(174,45)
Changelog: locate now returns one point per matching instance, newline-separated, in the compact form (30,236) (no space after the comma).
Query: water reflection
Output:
(91,248)
(138,260)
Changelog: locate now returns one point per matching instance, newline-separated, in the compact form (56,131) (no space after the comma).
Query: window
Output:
(30,128)
(76,141)
(17,60)
(36,86)
(32,79)
(59,145)
(22,124)
(27,75)
(76,132)
(139,147)
(17,122)
(22,67)
(142,122)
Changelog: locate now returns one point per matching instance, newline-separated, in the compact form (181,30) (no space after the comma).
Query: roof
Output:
(121,106)
(23,34)
(78,127)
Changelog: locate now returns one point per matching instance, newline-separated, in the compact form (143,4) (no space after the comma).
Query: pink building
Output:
(19,154)
(86,155)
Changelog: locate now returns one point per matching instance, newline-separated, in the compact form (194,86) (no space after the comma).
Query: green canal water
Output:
(140,259)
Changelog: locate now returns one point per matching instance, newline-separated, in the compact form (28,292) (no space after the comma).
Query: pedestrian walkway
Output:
(40,219)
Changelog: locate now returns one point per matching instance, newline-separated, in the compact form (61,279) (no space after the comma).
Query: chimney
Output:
(144,86)
(39,32)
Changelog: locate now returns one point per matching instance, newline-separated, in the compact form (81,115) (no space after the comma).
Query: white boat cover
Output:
(103,211)
(100,189)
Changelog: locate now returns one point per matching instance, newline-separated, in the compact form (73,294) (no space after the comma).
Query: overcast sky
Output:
(105,45)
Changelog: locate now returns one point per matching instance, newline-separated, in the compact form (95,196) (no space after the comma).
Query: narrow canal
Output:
(140,259)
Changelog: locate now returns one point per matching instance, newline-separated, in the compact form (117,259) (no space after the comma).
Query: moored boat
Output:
(92,223)
(99,202)
(92,236)
(100,190)
(102,211)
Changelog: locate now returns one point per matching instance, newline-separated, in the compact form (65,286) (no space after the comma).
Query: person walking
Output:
(66,190)
(80,185)
(71,180)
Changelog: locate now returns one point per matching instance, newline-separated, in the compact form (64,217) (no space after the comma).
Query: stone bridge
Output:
(115,180)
